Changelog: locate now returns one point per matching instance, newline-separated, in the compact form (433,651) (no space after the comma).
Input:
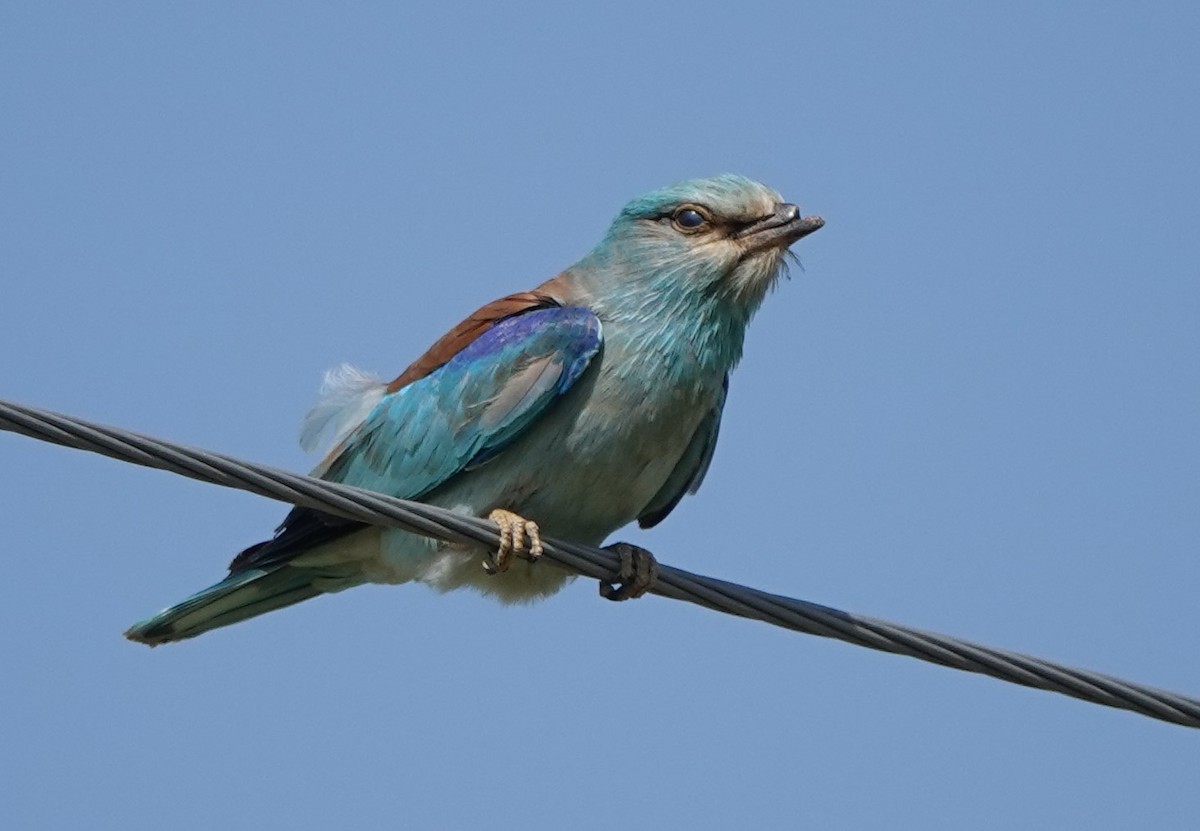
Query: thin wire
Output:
(718,595)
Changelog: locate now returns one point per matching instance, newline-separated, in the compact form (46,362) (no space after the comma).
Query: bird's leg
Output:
(638,572)
(513,531)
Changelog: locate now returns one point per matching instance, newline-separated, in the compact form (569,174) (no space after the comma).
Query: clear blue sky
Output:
(975,410)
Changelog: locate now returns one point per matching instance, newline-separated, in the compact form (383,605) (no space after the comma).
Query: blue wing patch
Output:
(471,408)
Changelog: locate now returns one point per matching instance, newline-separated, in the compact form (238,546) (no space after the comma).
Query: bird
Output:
(572,410)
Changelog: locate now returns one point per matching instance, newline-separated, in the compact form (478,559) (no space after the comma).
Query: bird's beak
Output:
(779,230)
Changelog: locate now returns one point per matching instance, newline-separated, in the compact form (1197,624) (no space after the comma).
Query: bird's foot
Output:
(638,572)
(513,532)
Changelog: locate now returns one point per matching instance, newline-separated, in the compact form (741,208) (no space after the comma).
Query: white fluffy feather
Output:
(347,396)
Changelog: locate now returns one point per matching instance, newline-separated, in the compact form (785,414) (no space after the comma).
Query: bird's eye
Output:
(689,219)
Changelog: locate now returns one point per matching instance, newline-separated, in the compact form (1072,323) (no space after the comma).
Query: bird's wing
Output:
(468,409)
(693,465)
(468,398)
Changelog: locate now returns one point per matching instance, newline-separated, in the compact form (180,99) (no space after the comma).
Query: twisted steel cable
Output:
(718,595)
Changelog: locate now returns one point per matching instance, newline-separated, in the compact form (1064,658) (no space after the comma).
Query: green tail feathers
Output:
(239,596)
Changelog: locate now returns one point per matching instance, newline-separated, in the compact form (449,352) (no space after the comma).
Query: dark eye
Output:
(689,219)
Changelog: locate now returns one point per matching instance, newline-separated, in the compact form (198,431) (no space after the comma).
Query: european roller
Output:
(572,410)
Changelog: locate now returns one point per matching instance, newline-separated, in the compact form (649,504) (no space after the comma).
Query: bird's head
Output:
(724,237)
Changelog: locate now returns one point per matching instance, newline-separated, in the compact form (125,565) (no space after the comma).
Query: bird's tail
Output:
(241,595)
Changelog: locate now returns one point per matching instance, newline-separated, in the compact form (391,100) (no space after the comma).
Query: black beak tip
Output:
(809,224)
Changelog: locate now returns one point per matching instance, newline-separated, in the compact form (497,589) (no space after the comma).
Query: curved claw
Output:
(638,572)
(513,531)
